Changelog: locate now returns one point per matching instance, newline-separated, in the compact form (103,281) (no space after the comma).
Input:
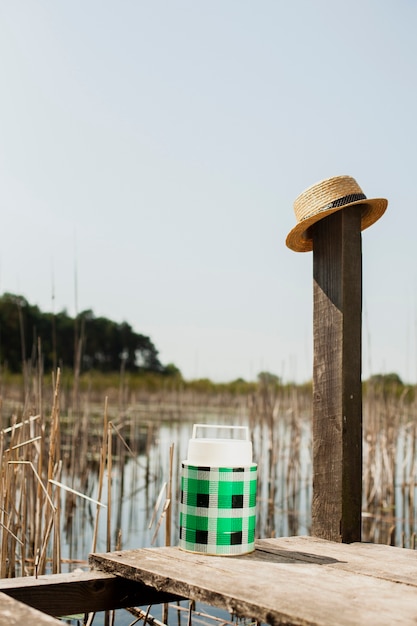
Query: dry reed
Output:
(90,444)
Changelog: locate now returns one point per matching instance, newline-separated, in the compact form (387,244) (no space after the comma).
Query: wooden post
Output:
(337,391)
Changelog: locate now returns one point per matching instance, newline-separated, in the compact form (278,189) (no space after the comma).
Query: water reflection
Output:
(282,450)
(141,437)
(138,473)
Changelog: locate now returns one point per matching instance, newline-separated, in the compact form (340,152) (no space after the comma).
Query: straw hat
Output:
(324,198)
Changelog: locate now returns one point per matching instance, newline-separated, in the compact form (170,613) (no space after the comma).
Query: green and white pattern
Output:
(218,509)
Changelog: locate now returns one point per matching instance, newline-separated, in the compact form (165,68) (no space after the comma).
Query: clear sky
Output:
(151,151)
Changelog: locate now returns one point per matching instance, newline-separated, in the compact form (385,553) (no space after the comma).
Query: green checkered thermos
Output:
(218,495)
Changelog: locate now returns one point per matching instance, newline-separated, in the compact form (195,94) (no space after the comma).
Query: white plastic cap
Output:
(219,452)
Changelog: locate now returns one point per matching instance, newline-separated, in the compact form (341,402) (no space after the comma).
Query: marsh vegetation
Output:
(82,468)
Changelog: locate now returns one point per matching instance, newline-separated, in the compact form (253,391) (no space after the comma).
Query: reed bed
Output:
(390,468)
(73,469)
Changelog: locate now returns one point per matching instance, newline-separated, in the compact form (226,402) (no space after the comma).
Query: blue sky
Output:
(154,151)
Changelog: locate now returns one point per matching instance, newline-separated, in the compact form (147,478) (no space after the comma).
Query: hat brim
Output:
(299,239)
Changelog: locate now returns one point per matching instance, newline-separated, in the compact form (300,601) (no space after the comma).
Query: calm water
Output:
(284,488)
(136,484)
(283,502)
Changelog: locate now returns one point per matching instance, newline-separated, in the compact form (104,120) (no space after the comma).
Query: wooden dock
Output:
(296,581)
(293,581)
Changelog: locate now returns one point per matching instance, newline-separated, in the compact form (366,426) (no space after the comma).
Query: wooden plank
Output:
(337,392)
(80,592)
(379,561)
(293,586)
(14,613)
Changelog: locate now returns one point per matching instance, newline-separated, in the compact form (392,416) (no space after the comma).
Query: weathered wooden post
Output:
(330,217)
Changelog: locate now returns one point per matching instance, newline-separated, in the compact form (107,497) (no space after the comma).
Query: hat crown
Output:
(321,195)
(324,198)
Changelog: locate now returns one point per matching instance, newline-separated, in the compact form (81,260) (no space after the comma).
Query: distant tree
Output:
(109,345)
(172,371)
(386,379)
(106,345)
(266,378)
(18,321)
(10,348)
(387,384)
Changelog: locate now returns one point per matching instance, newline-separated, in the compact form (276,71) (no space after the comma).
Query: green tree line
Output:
(85,341)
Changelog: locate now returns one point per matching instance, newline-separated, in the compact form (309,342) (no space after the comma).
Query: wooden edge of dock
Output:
(13,612)
(77,592)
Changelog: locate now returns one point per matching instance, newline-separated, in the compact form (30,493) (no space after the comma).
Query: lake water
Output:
(282,450)
(283,496)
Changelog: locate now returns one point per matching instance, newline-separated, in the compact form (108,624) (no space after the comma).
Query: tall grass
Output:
(48,433)
(390,467)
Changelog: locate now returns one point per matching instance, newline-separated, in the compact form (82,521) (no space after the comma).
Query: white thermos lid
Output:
(220,452)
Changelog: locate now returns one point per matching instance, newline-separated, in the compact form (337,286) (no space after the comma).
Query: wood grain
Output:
(337,391)
(14,613)
(84,592)
(299,582)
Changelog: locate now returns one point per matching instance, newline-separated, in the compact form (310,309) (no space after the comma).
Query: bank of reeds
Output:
(390,467)
(45,435)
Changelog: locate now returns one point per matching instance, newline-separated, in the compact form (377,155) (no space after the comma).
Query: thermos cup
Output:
(218,493)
